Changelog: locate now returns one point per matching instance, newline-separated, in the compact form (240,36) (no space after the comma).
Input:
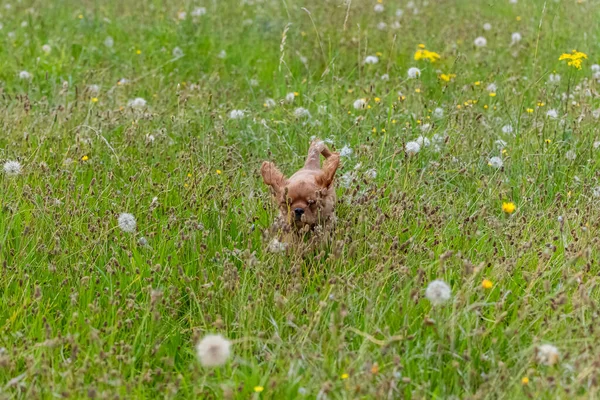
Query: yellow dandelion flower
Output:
(548,141)
(258,389)
(518,18)
(574,59)
(487,284)
(541,104)
(344,376)
(417,90)
(525,380)
(80,16)
(430,56)
(447,77)
(492,94)
(421,46)
(189,175)
(85,158)
(296,94)
(377,99)
(458,106)
(508,207)
(219,172)
(138,52)
(530,110)
(374,130)
(378,54)
(485,107)
(94,99)
(393,121)
(477,83)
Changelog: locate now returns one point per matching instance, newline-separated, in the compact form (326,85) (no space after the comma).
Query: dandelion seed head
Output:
(127,222)
(480,41)
(213,350)
(547,354)
(414,72)
(12,168)
(412,148)
(438,292)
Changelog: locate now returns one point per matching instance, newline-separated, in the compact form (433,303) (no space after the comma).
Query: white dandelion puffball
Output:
(270,103)
(487,26)
(222,54)
(438,292)
(177,52)
(507,128)
(495,162)
(109,42)
(425,128)
(360,104)
(412,148)
(301,112)
(213,350)
(181,15)
(414,72)
(480,41)
(236,114)
(12,168)
(93,89)
(137,103)
(382,26)
(500,144)
(346,151)
(554,78)
(516,38)
(378,8)
(595,68)
(371,60)
(513,1)
(275,246)
(438,113)
(570,155)
(25,75)
(491,88)
(198,12)
(371,173)
(127,222)
(46,48)
(399,13)
(596,191)
(552,113)
(422,141)
(547,354)
(385,77)
(289,98)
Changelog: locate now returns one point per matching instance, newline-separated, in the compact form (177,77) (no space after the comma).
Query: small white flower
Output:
(480,41)
(25,75)
(371,60)
(414,72)
(385,77)
(12,168)
(93,89)
(346,151)
(552,113)
(360,104)
(570,155)
(412,148)
(399,13)
(289,98)
(547,354)
(491,88)
(438,113)
(109,42)
(181,15)
(236,114)
(222,54)
(378,8)
(595,68)
(177,52)
(554,78)
(507,129)
(487,26)
(270,103)
(137,103)
(382,26)
(438,292)
(213,350)
(371,173)
(46,48)
(198,12)
(127,222)
(516,38)
(495,162)
(275,246)
(301,112)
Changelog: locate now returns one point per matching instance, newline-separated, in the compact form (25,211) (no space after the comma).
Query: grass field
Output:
(480,171)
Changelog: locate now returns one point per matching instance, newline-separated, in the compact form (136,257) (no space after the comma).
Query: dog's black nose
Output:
(298,212)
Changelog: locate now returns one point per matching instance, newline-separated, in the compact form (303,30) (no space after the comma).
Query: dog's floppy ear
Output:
(329,167)
(273,177)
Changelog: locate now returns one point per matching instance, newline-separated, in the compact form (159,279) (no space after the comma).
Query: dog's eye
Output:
(311,203)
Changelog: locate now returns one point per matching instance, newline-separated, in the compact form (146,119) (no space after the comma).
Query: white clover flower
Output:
(301,112)
(570,155)
(554,78)
(438,292)
(360,104)
(412,148)
(507,129)
(12,168)
(552,113)
(491,88)
(137,103)
(487,26)
(127,222)
(289,98)
(270,103)
(213,350)
(25,75)
(46,48)
(109,42)
(181,15)
(438,113)
(414,72)
(198,12)
(371,60)
(399,13)
(177,52)
(547,354)
(236,114)
(275,246)
(346,151)
(495,162)
(480,41)
(516,38)
(422,141)
(378,8)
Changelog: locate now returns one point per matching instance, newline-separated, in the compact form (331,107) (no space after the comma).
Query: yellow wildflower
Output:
(541,104)
(417,90)
(378,54)
(423,54)
(258,389)
(509,207)
(548,141)
(421,46)
(487,284)
(525,380)
(573,59)
(377,99)
(219,172)
(530,110)
(492,94)
(485,106)
(344,376)
(518,18)
(138,51)
(85,158)
(447,77)
(94,99)
(477,83)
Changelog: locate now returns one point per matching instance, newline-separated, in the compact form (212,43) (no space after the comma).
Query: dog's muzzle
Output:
(298,212)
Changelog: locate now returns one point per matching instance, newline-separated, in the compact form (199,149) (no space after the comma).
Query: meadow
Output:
(134,221)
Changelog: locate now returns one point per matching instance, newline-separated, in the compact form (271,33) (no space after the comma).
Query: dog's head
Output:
(308,196)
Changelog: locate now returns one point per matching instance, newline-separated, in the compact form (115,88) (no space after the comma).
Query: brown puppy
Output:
(307,198)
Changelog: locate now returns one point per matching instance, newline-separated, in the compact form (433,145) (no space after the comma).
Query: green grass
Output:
(87,311)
